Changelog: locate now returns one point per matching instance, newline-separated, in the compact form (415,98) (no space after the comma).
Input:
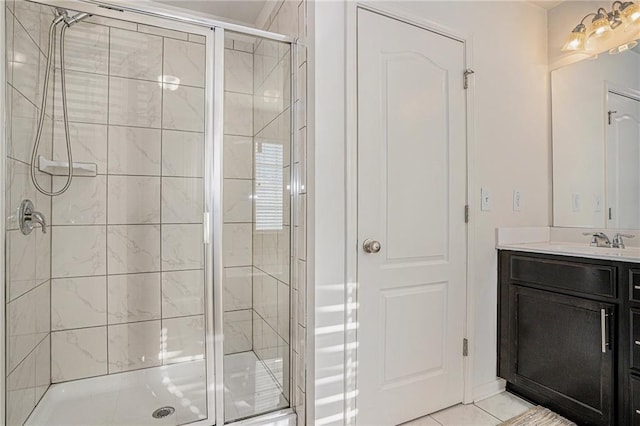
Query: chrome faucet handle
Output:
(27,217)
(37,217)
(598,239)
(618,242)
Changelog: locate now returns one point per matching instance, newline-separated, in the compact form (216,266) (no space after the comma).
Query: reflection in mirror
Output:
(596,142)
(623,159)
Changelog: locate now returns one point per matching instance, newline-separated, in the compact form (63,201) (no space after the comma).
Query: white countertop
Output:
(539,240)
(630,254)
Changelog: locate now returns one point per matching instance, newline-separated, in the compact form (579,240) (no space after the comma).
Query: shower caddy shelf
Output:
(61,168)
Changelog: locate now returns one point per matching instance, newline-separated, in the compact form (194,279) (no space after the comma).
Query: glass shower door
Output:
(107,319)
(256,252)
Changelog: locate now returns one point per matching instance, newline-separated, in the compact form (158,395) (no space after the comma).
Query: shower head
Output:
(63,14)
(76,18)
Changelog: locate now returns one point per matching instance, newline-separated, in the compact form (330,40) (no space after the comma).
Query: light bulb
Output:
(630,12)
(600,26)
(576,40)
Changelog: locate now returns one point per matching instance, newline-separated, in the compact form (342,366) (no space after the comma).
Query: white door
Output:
(623,162)
(411,198)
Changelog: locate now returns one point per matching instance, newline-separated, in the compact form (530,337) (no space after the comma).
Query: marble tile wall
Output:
(127,288)
(290,18)
(238,195)
(28,279)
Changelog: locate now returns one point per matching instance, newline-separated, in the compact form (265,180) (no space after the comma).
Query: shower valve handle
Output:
(27,218)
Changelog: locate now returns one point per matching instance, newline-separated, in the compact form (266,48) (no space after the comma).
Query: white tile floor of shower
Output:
(129,399)
(491,411)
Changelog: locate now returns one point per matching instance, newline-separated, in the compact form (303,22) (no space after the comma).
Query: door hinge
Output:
(466,74)
(466,213)
(465,347)
(609,114)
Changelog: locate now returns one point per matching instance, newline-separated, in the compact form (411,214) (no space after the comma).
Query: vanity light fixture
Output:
(615,19)
(623,17)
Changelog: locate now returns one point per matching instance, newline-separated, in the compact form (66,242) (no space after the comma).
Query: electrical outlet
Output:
(575,202)
(517,200)
(485,203)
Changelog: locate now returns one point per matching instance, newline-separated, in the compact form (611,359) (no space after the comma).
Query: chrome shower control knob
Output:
(371,246)
(28,218)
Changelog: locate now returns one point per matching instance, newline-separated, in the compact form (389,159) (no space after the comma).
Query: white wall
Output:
(510,150)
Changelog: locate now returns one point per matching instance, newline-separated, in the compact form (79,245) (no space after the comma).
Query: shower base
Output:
(130,399)
(127,399)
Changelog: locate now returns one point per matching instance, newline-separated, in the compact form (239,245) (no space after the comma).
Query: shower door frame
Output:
(4,137)
(213,30)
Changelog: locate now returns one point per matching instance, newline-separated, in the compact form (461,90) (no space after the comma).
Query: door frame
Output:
(351,194)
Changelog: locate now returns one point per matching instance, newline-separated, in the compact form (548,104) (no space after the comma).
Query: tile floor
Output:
(249,389)
(490,411)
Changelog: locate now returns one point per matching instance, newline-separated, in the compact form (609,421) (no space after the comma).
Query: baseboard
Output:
(488,389)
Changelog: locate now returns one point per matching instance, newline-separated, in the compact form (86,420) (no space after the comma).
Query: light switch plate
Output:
(575,202)
(485,202)
(517,200)
(597,203)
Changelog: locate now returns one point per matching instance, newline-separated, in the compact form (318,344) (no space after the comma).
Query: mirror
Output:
(596,142)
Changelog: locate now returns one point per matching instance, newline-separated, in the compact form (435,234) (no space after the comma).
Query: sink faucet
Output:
(617,240)
(598,239)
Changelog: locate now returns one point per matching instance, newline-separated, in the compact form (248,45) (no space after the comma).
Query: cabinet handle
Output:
(603,329)
(636,287)
(637,342)
(637,411)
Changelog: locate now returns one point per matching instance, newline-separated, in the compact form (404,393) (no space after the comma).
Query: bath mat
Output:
(538,416)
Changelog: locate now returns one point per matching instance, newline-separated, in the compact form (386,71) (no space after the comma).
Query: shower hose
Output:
(43,105)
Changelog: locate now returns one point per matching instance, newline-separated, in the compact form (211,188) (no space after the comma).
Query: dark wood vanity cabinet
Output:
(567,333)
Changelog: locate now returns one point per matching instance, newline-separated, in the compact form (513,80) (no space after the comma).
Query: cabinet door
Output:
(562,353)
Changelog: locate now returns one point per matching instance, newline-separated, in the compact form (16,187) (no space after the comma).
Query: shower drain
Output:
(163,412)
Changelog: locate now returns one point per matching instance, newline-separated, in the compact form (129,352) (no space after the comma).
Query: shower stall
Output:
(148,185)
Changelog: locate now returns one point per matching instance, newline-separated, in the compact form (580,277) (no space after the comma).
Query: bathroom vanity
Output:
(569,329)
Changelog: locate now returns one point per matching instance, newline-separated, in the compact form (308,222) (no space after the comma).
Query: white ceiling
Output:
(248,11)
(242,11)
(546,4)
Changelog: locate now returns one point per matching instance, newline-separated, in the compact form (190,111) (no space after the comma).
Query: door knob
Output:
(371,246)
